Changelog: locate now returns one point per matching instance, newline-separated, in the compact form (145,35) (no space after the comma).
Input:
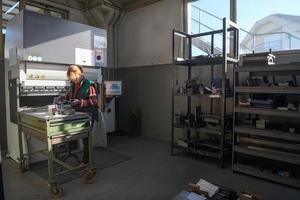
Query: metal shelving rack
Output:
(265,145)
(219,150)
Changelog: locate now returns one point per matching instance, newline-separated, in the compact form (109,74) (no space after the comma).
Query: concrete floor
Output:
(150,175)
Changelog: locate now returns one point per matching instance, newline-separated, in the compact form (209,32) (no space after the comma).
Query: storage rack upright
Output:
(267,152)
(214,150)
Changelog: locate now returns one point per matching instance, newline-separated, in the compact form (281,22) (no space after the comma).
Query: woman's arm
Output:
(92,100)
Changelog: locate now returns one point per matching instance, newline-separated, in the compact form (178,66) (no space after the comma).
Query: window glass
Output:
(44,9)
(56,14)
(268,24)
(35,9)
(204,16)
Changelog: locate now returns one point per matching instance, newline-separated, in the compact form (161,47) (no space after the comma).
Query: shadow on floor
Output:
(104,158)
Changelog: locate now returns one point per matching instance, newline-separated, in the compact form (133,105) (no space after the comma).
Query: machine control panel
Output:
(43,90)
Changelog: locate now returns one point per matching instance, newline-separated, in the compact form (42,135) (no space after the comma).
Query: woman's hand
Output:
(75,103)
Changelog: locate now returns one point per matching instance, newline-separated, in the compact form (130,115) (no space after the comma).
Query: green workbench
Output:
(55,129)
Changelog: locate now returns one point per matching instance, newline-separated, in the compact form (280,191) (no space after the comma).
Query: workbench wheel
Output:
(90,176)
(55,191)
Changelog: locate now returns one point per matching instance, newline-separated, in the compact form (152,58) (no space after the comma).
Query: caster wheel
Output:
(55,191)
(22,166)
(90,176)
(7,155)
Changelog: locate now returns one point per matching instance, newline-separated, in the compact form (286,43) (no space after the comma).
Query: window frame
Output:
(232,12)
(48,8)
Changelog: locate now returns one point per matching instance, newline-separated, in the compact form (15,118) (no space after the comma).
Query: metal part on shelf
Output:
(255,59)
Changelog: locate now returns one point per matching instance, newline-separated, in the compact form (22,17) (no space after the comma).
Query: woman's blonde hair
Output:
(74,71)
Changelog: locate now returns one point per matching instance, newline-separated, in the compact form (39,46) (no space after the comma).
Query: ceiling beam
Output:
(90,4)
(8,5)
(67,3)
(116,3)
(139,4)
(13,14)
(2,67)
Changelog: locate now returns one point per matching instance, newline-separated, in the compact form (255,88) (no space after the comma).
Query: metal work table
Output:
(54,129)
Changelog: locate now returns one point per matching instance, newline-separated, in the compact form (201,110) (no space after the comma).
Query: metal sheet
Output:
(13,98)
(55,40)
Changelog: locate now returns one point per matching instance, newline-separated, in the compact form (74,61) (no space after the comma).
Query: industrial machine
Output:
(38,52)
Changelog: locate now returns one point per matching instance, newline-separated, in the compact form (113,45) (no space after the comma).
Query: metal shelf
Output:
(205,61)
(269,154)
(269,90)
(274,145)
(185,127)
(212,96)
(263,143)
(201,61)
(202,130)
(267,133)
(271,112)
(199,152)
(206,143)
(214,146)
(216,116)
(268,68)
(198,95)
(210,131)
(211,63)
(257,173)
(209,145)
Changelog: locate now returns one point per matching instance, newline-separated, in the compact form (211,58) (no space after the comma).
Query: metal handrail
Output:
(207,12)
(201,10)
(280,32)
(251,34)
(203,24)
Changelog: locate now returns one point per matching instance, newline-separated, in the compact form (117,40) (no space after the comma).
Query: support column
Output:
(22,5)
(3,142)
(233,10)
(2,104)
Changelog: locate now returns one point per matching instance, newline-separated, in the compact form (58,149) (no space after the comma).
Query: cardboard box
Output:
(249,196)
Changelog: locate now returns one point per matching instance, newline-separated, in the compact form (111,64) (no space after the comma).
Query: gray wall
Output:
(74,14)
(144,57)
(2,106)
(145,34)
(147,89)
